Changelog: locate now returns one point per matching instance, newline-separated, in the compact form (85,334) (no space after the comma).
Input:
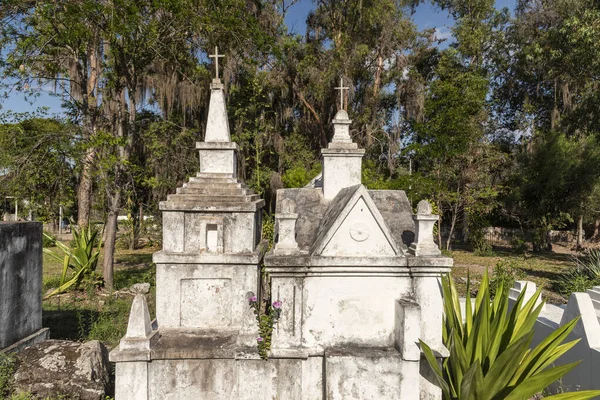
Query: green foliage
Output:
(584,275)
(489,352)
(481,246)
(48,240)
(298,176)
(37,163)
(589,263)
(7,369)
(108,326)
(518,244)
(576,280)
(82,260)
(506,272)
(266,320)
(268,229)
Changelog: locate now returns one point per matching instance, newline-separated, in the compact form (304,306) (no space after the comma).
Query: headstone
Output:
(355,295)
(20,285)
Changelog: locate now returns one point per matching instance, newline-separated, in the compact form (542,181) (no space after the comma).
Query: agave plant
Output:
(82,259)
(490,356)
(589,263)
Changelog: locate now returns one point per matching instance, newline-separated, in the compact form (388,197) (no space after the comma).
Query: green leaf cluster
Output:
(82,259)
(490,354)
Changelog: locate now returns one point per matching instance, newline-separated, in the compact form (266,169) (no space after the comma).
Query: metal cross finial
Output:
(341,88)
(216,56)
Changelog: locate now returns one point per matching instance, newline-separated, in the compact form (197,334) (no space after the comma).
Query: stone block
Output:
(358,374)
(173,232)
(408,329)
(358,310)
(63,368)
(219,161)
(341,169)
(20,281)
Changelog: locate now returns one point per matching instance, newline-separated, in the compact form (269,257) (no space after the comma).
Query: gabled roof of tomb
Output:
(312,210)
(339,209)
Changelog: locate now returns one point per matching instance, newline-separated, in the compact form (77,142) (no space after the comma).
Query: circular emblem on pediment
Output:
(359,231)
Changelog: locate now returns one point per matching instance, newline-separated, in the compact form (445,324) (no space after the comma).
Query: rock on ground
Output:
(64,368)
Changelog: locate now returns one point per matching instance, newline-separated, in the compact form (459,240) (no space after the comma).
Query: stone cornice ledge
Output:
(217,145)
(250,206)
(163,257)
(305,260)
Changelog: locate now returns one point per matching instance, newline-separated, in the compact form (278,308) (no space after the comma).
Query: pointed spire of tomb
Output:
(217,124)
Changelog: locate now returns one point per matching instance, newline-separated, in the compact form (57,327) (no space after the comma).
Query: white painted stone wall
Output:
(586,375)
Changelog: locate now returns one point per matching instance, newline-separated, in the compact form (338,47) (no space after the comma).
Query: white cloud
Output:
(443,33)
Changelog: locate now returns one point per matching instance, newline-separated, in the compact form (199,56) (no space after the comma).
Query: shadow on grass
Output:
(126,277)
(82,322)
(550,276)
(131,259)
(70,323)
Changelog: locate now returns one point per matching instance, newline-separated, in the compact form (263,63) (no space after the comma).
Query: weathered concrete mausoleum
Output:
(356,271)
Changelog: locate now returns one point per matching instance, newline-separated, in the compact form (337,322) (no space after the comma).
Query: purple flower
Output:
(253,299)
(277,305)
(259,339)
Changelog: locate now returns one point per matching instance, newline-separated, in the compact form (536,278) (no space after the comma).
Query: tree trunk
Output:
(133,144)
(111,238)
(596,228)
(89,81)
(439,223)
(452,225)
(84,191)
(580,232)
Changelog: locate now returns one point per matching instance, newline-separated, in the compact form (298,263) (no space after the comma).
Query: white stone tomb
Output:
(358,275)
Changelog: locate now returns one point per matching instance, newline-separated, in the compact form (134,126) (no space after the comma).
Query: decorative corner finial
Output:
(424,208)
(216,56)
(341,88)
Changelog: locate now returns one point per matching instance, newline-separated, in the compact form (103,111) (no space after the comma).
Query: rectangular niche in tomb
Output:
(203,233)
(212,238)
(205,303)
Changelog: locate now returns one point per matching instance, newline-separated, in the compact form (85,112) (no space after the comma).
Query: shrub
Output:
(82,259)
(505,274)
(490,356)
(576,280)
(589,263)
(583,276)
(518,244)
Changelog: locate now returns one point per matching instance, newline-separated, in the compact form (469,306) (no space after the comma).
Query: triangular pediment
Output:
(353,226)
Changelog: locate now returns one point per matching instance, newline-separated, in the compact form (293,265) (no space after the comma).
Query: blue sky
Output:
(426,16)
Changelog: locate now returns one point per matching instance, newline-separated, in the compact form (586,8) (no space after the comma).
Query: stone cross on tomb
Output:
(216,56)
(341,88)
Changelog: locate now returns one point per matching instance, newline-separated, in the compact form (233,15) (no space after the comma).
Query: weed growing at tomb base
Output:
(266,321)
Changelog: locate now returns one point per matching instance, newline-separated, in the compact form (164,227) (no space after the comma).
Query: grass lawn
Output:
(94,314)
(544,270)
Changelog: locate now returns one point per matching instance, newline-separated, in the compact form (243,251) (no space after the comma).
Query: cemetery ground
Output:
(88,314)
(93,314)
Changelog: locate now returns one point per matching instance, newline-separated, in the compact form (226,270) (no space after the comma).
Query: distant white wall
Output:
(586,375)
